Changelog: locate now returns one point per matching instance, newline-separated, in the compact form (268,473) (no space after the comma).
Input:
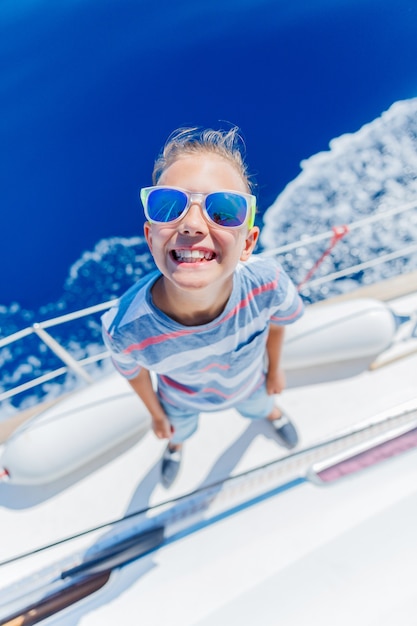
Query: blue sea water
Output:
(91,89)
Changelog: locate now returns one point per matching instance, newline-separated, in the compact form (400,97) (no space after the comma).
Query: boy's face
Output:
(220,248)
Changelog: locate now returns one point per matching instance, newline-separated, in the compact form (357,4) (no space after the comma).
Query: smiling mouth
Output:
(192,256)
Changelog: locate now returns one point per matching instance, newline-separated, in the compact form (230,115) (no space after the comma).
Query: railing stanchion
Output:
(62,353)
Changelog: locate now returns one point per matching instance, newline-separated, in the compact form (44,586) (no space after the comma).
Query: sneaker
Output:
(171,462)
(285,431)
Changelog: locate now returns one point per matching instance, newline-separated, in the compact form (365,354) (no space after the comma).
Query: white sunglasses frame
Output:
(200,198)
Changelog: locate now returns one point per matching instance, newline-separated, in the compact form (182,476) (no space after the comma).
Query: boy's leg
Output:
(183,427)
(260,405)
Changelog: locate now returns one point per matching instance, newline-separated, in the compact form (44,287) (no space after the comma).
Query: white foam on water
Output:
(361,174)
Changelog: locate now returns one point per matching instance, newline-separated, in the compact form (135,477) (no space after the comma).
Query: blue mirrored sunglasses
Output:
(229,209)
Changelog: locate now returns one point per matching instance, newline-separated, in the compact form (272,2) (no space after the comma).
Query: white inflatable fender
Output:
(77,430)
(338,332)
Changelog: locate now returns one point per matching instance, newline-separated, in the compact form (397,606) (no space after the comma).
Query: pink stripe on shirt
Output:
(181,333)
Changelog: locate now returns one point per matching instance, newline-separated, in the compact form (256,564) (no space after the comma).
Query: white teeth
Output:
(191,256)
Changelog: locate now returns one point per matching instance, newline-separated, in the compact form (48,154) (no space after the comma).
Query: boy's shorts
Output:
(257,406)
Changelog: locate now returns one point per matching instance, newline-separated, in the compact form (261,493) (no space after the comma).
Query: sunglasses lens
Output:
(166,205)
(226,209)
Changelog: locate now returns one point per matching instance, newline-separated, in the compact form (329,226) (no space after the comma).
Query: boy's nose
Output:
(193,222)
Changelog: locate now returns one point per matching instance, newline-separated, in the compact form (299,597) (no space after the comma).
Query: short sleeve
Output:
(121,360)
(288,306)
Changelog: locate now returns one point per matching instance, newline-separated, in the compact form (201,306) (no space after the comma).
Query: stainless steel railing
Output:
(70,363)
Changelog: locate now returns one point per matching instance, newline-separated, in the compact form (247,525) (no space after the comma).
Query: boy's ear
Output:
(250,243)
(147,230)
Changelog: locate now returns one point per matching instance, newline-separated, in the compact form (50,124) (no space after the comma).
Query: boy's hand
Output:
(275,381)
(162,428)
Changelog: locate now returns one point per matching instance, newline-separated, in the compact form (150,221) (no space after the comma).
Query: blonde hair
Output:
(227,144)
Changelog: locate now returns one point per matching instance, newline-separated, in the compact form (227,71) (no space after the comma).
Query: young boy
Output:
(210,322)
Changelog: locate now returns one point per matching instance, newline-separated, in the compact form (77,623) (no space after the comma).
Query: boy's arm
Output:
(142,385)
(275,377)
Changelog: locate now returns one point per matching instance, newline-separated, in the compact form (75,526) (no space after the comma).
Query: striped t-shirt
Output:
(209,366)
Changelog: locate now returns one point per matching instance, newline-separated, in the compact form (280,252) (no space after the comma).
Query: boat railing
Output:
(78,366)
(358,224)
(70,363)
